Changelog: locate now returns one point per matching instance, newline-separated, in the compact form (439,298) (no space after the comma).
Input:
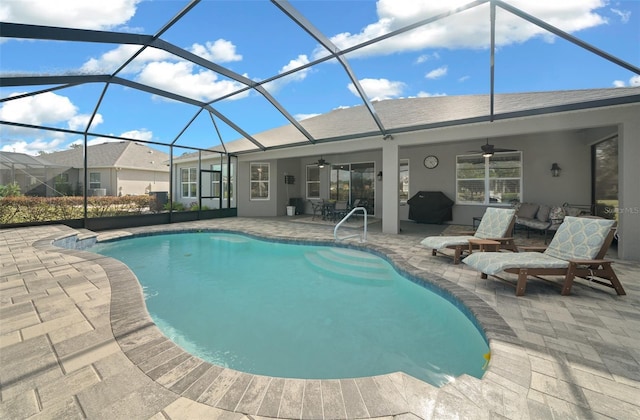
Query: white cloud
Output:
(133,134)
(113,59)
(182,79)
(379,89)
(633,81)
(165,71)
(43,109)
(300,75)
(464,79)
(79,122)
(426,57)
(423,94)
(219,51)
(624,15)
(300,117)
(70,13)
(471,27)
(437,73)
(35,146)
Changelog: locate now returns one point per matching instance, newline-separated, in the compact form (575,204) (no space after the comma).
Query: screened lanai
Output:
(219,87)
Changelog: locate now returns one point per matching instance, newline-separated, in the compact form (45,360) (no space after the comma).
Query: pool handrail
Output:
(344,219)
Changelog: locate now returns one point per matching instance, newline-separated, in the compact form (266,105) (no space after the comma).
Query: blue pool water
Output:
(297,311)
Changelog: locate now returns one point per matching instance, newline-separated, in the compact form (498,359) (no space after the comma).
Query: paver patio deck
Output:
(76,342)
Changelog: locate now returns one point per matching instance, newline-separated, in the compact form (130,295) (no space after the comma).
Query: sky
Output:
(257,41)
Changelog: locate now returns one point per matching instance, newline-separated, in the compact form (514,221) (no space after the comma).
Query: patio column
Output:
(390,191)
(628,191)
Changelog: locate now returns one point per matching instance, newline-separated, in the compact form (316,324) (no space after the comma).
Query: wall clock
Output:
(430,162)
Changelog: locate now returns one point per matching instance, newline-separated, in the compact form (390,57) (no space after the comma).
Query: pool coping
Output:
(183,374)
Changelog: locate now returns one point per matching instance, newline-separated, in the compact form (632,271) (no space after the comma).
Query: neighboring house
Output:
(34,174)
(114,168)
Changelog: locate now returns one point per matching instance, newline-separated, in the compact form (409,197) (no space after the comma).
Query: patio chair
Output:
(338,211)
(577,250)
(496,225)
(316,208)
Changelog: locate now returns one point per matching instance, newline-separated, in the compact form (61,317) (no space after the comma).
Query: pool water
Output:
(297,311)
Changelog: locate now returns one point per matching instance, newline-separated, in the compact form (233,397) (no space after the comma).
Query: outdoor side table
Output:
(484,245)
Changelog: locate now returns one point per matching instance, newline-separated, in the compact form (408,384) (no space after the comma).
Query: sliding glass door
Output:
(605,178)
(353,181)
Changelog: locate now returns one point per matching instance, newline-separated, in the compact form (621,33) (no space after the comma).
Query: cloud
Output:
(423,94)
(634,81)
(624,15)
(165,71)
(472,28)
(300,75)
(437,73)
(79,122)
(219,51)
(111,60)
(300,117)
(426,57)
(35,146)
(70,13)
(183,78)
(43,109)
(379,89)
(132,134)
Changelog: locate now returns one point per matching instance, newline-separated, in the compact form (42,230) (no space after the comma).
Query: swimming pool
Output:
(300,311)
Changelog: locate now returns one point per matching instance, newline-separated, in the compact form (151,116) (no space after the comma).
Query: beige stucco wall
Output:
(564,138)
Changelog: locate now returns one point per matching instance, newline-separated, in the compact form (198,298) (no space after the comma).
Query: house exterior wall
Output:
(564,138)
(137,182)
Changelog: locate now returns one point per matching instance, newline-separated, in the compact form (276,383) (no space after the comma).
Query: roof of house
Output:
(24,160)
(411,114)
(121,154)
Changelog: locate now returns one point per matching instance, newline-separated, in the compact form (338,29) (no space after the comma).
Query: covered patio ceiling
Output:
(215,119)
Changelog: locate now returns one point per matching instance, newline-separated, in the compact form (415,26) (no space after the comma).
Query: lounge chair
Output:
(577,250)
(496,225)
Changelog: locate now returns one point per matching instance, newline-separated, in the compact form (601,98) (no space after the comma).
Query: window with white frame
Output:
(496,179)
(94,180)
(259,181)
(313,181)
(188,182)
(404,180)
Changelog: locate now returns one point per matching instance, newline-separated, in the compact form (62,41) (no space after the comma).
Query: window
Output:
(313,181)
(259,181)
(404,180)
(497,179)
(94,180)
(188,182)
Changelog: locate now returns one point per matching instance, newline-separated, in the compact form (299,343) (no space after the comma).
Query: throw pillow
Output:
(543,213)
(528,210)
(556,214)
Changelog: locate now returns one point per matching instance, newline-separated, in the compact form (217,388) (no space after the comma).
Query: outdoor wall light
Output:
(379,176)
(555,170)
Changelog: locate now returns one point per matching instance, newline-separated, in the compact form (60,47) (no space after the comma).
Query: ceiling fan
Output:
(321,163)
(488,150)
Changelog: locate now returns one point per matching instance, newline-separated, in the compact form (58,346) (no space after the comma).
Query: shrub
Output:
(10,190)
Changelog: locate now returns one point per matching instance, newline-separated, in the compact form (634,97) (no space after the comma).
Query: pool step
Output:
(235,239)
(349,264)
